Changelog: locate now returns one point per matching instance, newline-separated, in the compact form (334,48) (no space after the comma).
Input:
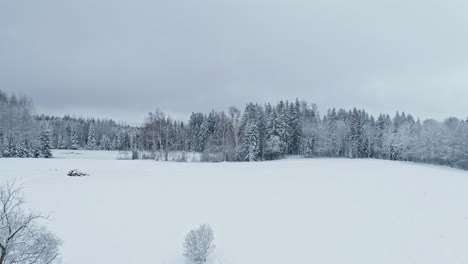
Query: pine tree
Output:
(251,142)
(105,143)
(273,148)
(250,135)
(53,139)
(295,127)
(9,147)
(24,149)
(135,141)
(284,128)
(203,134)
(44,138)
(91,138)
(74,138)
(60,142)
(2,148)
(126,141)
(120,141)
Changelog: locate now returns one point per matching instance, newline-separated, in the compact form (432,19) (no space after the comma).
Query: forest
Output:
(258,132)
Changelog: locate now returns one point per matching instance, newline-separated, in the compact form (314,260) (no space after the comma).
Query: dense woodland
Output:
(255,133)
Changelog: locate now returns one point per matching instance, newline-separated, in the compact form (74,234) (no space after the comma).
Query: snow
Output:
(85,154)
(330,211)
(113,155)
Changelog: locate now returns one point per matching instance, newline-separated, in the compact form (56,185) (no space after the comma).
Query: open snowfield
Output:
(331,211)
(113,155)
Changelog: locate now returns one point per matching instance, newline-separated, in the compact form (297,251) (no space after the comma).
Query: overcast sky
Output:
(122,59)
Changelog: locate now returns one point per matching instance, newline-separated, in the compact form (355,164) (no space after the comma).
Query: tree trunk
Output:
(2,256)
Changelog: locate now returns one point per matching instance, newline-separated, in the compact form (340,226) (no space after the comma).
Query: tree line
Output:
(256,133)
(20,134)
(267,132)
(25,135)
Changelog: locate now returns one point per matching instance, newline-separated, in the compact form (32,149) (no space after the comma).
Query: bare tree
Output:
(198,244)
(22,239)
(235,120)
(223,131)
(155,125)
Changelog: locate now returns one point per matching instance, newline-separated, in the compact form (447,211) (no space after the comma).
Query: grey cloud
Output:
(124,58)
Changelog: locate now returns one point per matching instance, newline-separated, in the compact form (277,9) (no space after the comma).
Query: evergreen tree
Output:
(203,134)
(2,148)
(251,142)
(117,142)
(250,135)
(274,144)
(91,138)
(60,142)
(105,143)
(24,150)
(284,127)
(73,138)
(295,127)
(44,149)
(9,147)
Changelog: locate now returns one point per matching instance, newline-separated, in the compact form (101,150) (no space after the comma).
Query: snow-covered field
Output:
(113,155)
(331,211)
(85,154)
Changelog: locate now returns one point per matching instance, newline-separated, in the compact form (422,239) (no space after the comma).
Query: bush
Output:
(135,155)
(198,244)
(212,157)
(124,155)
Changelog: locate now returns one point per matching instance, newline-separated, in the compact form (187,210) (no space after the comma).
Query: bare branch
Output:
(22,241)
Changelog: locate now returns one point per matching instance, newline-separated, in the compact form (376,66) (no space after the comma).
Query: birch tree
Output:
(22,239)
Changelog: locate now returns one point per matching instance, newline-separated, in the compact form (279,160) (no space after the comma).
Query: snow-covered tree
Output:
(223,135)
(273,147)
(295,127)
(251,142)
(284,126)
(105,143)
(44,139)
(198,244)
(234,115)
(22,238)
(274,144)
(73,138)
(256,134)
(91,138)
(60,142)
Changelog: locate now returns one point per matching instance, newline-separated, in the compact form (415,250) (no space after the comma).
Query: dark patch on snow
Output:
(77,173)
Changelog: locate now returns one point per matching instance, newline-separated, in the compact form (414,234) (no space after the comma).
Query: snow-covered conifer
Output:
(74,138)
(44,139)
(105,143)
(91,138)
(251,142)
(60,142)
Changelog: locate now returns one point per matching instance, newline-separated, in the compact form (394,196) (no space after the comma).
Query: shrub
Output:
(198,244)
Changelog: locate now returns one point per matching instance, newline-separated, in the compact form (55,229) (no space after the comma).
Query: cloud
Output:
(184,56)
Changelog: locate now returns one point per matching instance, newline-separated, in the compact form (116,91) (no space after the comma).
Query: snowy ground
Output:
(331,211)
(113,155)
(85,154)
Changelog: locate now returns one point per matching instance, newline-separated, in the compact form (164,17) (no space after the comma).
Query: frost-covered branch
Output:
(22,239)
(198,244)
